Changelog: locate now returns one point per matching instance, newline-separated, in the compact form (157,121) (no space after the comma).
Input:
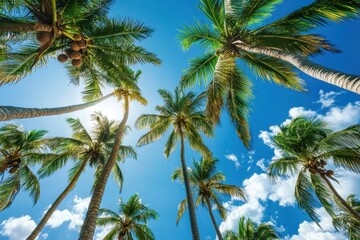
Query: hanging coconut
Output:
(74,46)
(77,37)
(82,44)
(16,162)
(329,173)
(323,162)
(67,52)
(74,55)
(62,58)
(312,170)
(76,62)
(43,37)
(13,170)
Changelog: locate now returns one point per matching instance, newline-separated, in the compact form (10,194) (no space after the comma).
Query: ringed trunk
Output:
(10,112)
(26,27)
(88,228)
(189,196)
(346,81)
(218,233)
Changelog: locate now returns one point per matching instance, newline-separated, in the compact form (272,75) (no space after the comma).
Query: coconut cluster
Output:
(75,52)
(14,165)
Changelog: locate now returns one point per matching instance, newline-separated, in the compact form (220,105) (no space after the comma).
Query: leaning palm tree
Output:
(20,150)
(307,146)
(249,230)
(131,220)
(345,221)
(207,183)
(127,93)
(79,30)
(87,149)
(271,51)
(183,112)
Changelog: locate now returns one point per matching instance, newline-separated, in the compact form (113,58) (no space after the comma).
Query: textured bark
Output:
(343,202)
(88,228)
(10,112)
(218,233)
(25,27)
(346,81)
(57,202)
(189,196)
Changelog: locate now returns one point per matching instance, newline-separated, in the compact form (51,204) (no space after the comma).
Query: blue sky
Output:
(149,176)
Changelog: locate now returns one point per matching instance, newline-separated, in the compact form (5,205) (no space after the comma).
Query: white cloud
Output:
(339,118)
(261,164)
(102,231)
(17,228)
(327,99)
(300,111)
(232,157)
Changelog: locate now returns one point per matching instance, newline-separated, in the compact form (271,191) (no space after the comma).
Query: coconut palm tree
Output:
(307,146)
(127,93)
(183,112)
(20,150)
(207,183)
(270,51)
(88,149)
(131,220)
(78,30)
(249,230)
(345,221)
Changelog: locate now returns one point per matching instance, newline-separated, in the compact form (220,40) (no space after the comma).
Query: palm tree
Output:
(233,35)
(89,149)
(207,183)
(249,230)
(345,221)
(20,150)
(132,219)
(182,111)
(126,93)
(307,146)
(77,29)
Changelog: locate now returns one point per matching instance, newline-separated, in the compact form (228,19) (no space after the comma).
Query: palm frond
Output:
(170,144)
(155,132)
(323,193)
(118,176)
(214,10)
(8,190)
(30,183)
(181,209)
(283,166)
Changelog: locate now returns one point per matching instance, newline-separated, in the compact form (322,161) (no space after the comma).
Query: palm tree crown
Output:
(131,220)
(307,146)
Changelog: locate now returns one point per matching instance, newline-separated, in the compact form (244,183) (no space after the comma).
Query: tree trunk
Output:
(343,202)
(10,112)
(88,228)
(346,81)
(25,27)
(218,233)
(189,196)
(57,202)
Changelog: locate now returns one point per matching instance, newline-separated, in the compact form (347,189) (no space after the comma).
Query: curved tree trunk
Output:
(25,27)
(355,214)
(218,233)
(346,81)
(10,112)
(88,228)
(189,196)
(57,202)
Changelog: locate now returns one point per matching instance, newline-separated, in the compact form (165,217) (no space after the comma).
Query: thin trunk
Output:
(346,81)
(218,233)
(88,228)
(10,112)
(343,202)
(57,202)
(25,27)
(189,196)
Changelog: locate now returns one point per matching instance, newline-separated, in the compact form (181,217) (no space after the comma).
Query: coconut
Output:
(312,170)
(74,55)
(13,170)
(323,162)
(62,58)
(67,52)
(76,62)
(82,44)
(43,37)
(329,173)
(77,37)
(16,162)
(74,46)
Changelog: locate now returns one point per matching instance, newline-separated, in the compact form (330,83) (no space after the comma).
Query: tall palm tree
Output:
(20,150)
(271,51)
(345,221)
(88,149)
(307,146)
(249,230)
(79,28)
(132,219)
(183,112)
(127,93)
(207,183)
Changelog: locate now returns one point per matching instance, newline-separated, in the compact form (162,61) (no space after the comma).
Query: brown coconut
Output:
(77,37)
(76,62)
(74,55)
(74,46)
(13,170)
(312,170)
(329,173)
(82,44)
(67,52)
(62,58)
(16,162)
(43,37)
(323,162)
